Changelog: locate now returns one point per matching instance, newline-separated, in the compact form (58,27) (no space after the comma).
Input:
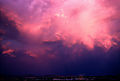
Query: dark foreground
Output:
(59,78)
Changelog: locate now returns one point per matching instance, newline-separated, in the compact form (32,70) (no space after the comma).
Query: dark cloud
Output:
(20,57)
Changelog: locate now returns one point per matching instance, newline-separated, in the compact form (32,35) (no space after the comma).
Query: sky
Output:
(59,37)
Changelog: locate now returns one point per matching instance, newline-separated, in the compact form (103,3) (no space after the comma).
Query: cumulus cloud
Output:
(52,31)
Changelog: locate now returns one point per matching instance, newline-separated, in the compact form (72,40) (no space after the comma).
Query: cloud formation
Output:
(73,31)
